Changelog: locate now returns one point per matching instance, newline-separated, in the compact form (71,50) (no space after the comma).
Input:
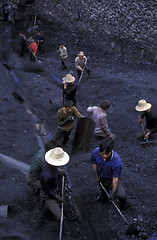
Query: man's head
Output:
(105,104)
(81,55)
(61,45)
(68,104)
(68,79)
(106,147)
(143,106)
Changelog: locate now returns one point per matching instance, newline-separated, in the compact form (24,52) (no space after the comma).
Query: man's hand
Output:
(97,178)
(111,196)
(147,135)
(71,118)
(59,199)
(140,120)
(113,136)
(62,171)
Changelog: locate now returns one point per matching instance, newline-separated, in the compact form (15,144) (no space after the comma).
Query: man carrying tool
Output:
(70,89)
(40,41)
(81,64)
(98,114)
(51,180)
(65,120)
(151,120)
(107,166)
(64,55)
(32,49)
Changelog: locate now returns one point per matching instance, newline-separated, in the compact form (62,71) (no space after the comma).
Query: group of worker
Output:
(31,45)
(47,167)
(45,171)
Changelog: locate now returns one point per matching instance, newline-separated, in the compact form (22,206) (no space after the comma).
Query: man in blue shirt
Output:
(107,166)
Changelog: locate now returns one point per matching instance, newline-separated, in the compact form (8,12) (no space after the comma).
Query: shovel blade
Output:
(132,230)
(146,144)
(84,132)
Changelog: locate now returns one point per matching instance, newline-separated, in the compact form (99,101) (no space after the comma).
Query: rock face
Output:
(120,26)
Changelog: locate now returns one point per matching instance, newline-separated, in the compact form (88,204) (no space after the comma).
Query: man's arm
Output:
(114,185)
(77,113)
(95,168)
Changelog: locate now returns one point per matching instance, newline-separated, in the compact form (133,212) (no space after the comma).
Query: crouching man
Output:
(107,166)
(50,181)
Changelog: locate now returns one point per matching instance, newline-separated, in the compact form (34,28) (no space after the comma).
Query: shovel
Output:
(132,230)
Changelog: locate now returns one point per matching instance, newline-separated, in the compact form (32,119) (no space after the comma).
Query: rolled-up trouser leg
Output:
(54,207)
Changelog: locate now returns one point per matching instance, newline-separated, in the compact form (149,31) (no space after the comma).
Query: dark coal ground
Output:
(123,82)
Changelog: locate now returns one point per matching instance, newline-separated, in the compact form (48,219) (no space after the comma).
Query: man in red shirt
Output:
(33,49)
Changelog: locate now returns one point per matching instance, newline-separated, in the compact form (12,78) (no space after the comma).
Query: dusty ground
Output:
(123,82)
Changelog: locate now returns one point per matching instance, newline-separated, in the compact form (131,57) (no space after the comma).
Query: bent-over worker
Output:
(81,64)
(50,179)
(151,120)
(107,166)
(98,114)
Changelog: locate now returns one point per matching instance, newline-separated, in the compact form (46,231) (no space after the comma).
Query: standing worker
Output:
(107,166)
(64,55)
(98,114)
(151,120)
(70,89)
(40,41)
(65,120)
(50,180)
(32,49)
(8,13)
(23,44)
(81,64)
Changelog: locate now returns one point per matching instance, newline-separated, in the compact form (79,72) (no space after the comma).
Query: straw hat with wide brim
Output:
(80,54)
(68,78)
(57,157)
(143,106)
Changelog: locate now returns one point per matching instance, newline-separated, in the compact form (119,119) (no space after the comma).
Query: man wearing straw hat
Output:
(70,89)
(81,64)
(50,179)
(65,120)
(151,120)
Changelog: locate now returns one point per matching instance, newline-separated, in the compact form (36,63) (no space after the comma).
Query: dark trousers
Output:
(61,134)
(79,72)
(120,191)
(64,63)
(41,47)
(31,57)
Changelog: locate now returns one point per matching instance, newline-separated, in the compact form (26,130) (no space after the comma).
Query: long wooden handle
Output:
(61,221)
(113,203)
